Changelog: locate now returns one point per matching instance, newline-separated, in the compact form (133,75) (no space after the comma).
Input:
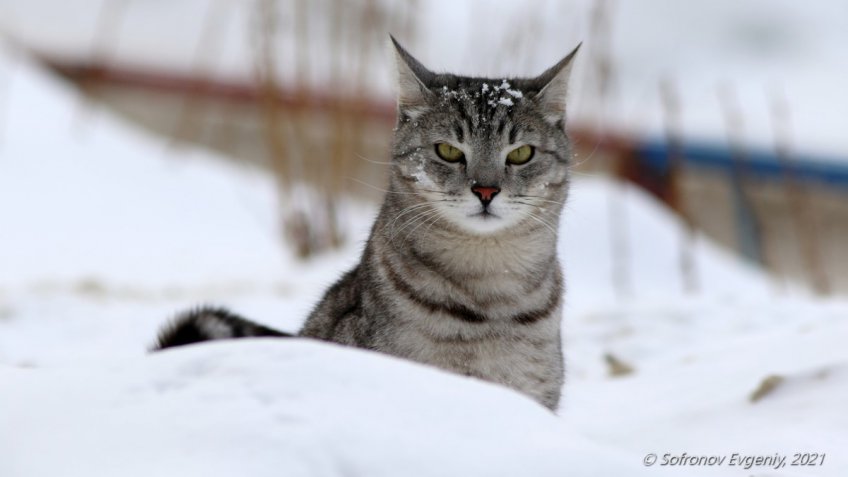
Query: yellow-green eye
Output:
(520,155)
(448,152)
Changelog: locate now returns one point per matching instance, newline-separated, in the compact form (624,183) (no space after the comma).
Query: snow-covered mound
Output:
(303,408)
(652,239)
(82,196)
(714,379)
(293,408)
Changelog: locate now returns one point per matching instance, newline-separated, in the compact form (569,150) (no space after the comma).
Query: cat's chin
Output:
(475,220)
(484,223)
(486,215)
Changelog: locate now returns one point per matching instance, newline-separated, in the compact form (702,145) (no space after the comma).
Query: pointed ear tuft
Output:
(554,88)
(412,77)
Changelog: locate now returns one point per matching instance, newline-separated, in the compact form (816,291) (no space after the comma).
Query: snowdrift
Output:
(272,407)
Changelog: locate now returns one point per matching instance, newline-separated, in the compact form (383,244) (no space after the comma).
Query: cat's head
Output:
(486,154)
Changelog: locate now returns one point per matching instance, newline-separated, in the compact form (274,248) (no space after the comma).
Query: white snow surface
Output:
(266,407)
(105,233)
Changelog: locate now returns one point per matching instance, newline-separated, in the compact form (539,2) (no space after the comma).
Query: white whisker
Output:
(394,192)
(540,199)
(414,220)
(372,161)
(432,219)
(541,221)
(406,211)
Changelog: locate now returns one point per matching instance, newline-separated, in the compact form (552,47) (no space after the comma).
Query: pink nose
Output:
(486,194)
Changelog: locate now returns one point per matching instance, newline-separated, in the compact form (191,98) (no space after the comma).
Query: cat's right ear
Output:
(413,95)
(553,85)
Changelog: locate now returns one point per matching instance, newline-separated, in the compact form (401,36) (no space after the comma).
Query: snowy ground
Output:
(104,233)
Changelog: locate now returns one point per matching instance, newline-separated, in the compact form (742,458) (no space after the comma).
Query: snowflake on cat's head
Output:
(497,94)
(502,94)
(456,94)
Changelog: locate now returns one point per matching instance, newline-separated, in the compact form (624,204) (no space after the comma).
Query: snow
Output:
(506,87)
(654,238)
(55,164)
(291,408)
(694,395)
(494,95)
(105,233)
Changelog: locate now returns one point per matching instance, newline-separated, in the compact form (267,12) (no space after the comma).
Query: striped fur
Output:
(446,279)
(209,323)
(434,284)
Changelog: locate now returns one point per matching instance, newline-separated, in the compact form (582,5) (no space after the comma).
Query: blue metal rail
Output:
(756,163)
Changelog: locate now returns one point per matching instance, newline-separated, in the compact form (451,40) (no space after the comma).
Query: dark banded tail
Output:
(207,324)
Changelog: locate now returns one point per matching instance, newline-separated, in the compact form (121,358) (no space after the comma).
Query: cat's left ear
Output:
(553,85)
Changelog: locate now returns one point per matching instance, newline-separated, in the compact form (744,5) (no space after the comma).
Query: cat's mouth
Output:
(485,214)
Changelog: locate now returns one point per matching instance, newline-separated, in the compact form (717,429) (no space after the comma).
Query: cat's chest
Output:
(532,365)
(485,358)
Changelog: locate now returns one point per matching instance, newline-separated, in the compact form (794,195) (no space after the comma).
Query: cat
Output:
(461,269)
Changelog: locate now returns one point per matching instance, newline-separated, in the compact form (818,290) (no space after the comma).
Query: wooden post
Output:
(674,137)
(103,46)
(803,216)
(748,236)
(205,54)
(600,39)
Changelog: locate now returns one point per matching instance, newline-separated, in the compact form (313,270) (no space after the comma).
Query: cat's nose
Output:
(485,193)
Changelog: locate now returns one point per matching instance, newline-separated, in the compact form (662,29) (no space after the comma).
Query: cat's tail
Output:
(207,324)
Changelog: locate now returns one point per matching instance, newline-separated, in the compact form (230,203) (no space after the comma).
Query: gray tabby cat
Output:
(461,268)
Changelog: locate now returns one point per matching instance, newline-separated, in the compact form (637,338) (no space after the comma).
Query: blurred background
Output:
(732,114)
